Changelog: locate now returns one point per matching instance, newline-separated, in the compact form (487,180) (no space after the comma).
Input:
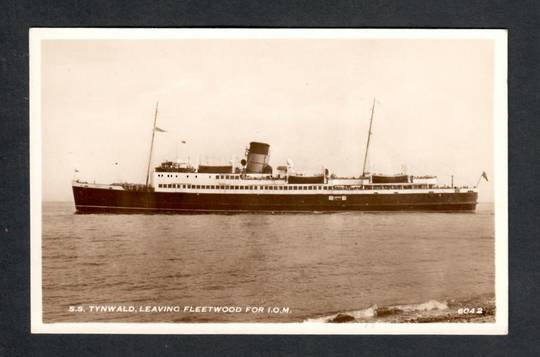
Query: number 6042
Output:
(470,310)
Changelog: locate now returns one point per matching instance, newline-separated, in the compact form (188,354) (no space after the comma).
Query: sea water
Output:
(385,266)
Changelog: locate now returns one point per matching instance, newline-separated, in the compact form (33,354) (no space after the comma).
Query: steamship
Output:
(254,185)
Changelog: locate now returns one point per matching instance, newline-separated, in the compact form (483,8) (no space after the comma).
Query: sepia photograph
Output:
(268,181)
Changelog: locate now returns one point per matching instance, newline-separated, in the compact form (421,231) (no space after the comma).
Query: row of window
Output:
(286,188)
(173,175)
(220,177)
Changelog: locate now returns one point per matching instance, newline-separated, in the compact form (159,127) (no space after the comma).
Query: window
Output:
(159,185)
(187,176)
(183,186)
(197,186)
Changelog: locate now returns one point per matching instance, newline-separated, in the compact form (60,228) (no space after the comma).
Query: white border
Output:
(37,35)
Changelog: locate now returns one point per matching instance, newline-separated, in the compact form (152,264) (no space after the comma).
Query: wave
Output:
(429,311)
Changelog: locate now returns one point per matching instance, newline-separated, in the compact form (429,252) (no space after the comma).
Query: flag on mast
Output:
(159,130)
(484,175)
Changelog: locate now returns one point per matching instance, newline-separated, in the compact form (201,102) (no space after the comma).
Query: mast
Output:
(368,138)
(152,144)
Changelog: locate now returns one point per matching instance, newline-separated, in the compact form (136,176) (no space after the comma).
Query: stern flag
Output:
(484,175)
(183,141)
(159,130)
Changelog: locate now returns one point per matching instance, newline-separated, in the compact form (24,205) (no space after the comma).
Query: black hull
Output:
(99,200)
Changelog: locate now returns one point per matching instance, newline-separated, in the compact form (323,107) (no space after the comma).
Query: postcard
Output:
(268,181)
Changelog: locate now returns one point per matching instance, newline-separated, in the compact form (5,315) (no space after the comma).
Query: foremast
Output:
(151,145)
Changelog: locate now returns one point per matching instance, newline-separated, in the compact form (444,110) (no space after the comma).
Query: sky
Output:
(310,99)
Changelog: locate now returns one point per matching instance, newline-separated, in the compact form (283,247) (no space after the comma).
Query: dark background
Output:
(521,18)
